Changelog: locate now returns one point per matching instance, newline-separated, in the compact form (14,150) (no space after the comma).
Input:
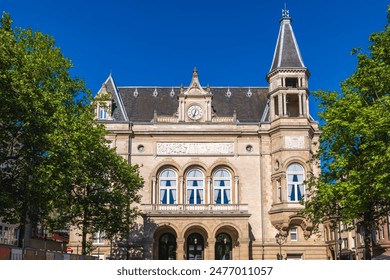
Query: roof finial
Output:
(285,12)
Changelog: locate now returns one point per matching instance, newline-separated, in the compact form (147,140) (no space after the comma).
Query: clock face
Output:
(195,112)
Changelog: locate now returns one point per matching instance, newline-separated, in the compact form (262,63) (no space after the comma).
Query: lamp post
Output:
(45,232)
(280,239)
(195,249)
(224,248)
(340,241)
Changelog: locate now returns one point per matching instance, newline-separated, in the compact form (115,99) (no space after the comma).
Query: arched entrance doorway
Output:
(167,247)
(223,247)
(195,247)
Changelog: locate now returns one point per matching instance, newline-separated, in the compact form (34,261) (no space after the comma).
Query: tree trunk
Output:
(84,237)
(367,243)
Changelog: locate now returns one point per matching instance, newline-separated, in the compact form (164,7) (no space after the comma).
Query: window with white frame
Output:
(98,237)
(222,183)
(295,178)
(294,234)
(345,243)
(168,186)
(195,186)
(102,113)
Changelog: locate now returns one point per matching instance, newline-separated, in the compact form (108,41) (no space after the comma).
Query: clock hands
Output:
(194,112)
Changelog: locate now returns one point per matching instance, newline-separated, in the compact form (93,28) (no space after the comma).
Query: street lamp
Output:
(340,241)
(45,232)
(280,239)
(195,249)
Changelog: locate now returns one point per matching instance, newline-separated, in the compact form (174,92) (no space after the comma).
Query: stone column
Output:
(180,191)
(284,187)
(236,189)
(306,106)
(280,105)
(180,253)
(284,105)
(300,104)
(208,191)
(153,193)
(210,250)
(272,108)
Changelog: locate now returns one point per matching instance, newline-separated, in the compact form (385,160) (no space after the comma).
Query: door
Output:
(223,247)
(195,247)
(167,247)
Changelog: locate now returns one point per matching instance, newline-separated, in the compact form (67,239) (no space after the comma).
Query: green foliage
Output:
(55,164)
(355,151)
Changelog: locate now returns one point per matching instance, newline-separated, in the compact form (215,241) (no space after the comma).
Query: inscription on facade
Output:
(294,142)
(195,148)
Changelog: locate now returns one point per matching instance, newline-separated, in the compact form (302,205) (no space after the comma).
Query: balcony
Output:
(195,209)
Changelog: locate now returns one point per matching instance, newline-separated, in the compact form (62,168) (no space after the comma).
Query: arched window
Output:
(168,186)
(222,182)
(295,178)
(195,186)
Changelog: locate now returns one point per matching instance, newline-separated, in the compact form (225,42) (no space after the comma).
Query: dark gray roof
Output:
(140,107)
(287,53)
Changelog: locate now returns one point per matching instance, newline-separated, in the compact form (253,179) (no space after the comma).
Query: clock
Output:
(195,112)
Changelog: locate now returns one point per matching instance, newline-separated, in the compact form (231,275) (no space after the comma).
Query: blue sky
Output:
(231,43)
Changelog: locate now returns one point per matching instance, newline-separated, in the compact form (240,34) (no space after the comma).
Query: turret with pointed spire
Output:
(288,75)
(287,53)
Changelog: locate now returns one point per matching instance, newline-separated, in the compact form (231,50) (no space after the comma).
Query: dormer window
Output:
(291,82)
(102,113)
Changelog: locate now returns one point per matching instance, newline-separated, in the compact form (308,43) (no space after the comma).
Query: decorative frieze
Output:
(195,148)
(294,142)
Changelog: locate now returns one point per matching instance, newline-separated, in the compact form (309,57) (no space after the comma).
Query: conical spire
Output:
(287,53)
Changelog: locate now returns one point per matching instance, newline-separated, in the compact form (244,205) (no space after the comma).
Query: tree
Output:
(354,185)
(55,164)
(37,95)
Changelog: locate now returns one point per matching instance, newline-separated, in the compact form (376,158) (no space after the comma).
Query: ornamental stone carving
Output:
(294,142)
(185,148)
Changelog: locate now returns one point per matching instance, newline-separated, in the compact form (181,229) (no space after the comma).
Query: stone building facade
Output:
(224,167)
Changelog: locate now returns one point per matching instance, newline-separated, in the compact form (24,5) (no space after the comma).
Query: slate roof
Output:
(140,107)
(287,54)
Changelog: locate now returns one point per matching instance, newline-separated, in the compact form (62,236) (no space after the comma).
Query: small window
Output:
(292,82)
(140,148)
(292,105)
(102,113)
(295,178)
(294,257)
(345,243)
(294,234)
(98,238)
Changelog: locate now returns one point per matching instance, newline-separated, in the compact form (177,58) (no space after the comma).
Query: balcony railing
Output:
(206,209)
(11,241)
